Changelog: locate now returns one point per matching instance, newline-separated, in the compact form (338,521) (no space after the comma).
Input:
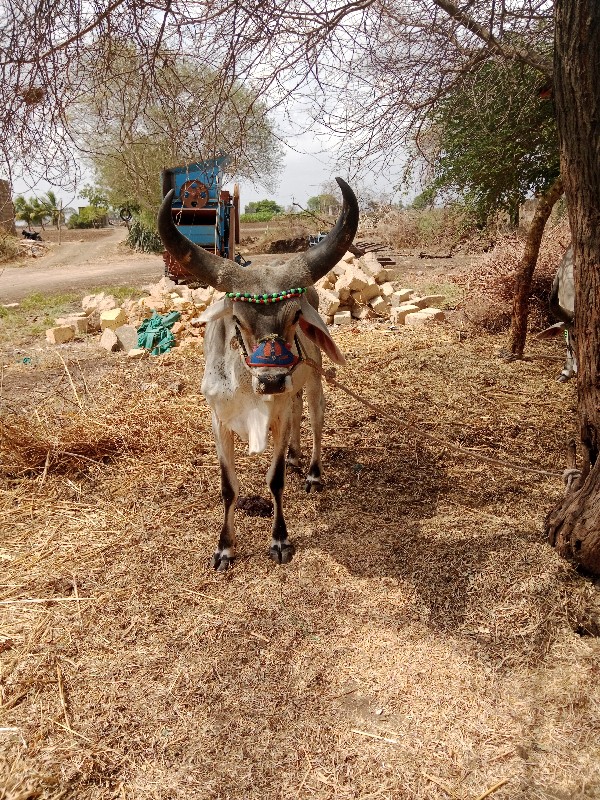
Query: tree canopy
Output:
(258,206)
(492,141)
(129,141)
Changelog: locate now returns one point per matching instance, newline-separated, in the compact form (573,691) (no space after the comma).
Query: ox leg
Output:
(281,550)
(225,552)
(294,452)
(316,410)
(570,368)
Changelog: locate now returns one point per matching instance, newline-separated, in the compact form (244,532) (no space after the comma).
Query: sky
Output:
(308,164)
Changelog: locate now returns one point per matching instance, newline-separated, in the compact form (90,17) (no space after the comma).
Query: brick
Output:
(113,318)
(59,335)
(387,290)
(362,312)
(425,316)
(355,279)
(127,337)
(136,352)
(79,324)
(398,315)
(342,318)
(380,305)
(109,340)
(400,296)
(329,302)
(370,292)
(429,301)
(202,296)
(98,302)
(385,275)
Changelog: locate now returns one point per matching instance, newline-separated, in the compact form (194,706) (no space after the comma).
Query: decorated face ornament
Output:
(272,351)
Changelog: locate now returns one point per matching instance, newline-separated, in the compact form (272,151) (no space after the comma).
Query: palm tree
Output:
(24,210)
(53,208)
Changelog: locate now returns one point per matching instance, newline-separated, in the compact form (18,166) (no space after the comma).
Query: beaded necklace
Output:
(276,297)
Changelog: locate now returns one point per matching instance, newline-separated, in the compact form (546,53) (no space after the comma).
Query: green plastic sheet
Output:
(155,333)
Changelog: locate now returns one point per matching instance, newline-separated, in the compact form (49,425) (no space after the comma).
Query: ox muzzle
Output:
(272,363)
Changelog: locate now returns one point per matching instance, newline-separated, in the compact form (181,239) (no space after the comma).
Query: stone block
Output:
(202,296)
(329,302)
(425,316)
(92,303)
(355,279)
(387,290)
(380,305)
(112,319)
(370,292)
(127,337)
(429,301)
(60,334)
(398,315)
(79,324)
(109,340)
(136,352)
(385,274)
(400,296)
(342,318)
(362,312)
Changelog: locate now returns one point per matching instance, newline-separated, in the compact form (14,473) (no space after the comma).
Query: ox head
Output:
(267,304)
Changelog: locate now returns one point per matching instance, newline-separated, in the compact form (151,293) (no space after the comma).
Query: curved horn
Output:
(320,259)
(208,268)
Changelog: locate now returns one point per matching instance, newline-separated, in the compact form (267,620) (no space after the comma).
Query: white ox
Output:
(562,306)
(257,342)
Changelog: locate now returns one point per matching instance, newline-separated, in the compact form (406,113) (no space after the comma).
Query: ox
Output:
(258,344)
(562,306)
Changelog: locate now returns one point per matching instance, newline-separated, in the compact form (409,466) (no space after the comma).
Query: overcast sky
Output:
(307,165)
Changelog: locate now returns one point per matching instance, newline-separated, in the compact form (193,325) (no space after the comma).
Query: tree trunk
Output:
(574,524)
(520,309)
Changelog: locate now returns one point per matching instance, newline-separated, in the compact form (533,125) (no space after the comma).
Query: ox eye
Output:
(297,316)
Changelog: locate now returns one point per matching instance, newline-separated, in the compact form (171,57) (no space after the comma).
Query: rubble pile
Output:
(118,325)
(363,288)
(355,289)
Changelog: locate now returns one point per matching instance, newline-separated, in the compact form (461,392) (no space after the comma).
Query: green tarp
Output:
(155,333)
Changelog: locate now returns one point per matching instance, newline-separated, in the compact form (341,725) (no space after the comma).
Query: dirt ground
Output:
(424,643)
(92,259)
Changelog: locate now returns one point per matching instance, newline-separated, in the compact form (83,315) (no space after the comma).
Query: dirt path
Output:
(80,264)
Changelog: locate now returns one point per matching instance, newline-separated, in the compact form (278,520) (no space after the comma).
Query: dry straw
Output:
(425,642)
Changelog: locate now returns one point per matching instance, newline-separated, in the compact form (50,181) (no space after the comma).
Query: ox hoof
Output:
(221,562)
(282,552)
(313,485)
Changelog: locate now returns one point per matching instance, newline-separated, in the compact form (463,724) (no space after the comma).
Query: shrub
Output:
(259,216)
(143,237)
(9,247)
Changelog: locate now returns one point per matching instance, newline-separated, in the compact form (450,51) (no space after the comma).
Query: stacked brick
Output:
(362,289)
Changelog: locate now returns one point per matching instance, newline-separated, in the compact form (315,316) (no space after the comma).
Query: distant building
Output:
(7,210)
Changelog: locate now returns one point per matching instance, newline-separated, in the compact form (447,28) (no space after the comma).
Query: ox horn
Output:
(206,267)
(227,276)
(318,260)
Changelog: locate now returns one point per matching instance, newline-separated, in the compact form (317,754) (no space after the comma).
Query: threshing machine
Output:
(208,215)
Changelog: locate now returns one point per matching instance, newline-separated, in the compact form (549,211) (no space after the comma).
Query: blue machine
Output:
(202,210)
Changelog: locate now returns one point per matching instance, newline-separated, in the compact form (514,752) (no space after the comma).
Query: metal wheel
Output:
(193,194)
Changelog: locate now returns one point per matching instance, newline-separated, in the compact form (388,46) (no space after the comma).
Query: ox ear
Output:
(217,310)
(553,330)
(313,326)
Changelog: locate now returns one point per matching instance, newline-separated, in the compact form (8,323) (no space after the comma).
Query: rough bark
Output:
(573,525)
(520,308)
